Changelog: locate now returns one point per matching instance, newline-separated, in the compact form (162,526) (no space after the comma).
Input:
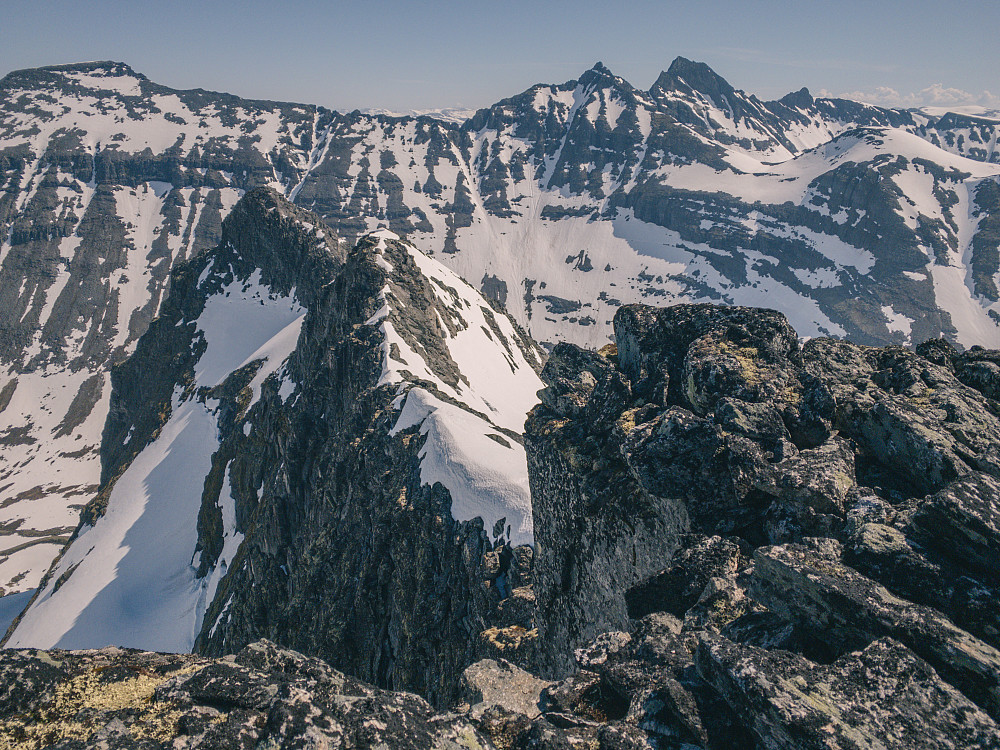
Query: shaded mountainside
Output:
(315,446)
(561,202)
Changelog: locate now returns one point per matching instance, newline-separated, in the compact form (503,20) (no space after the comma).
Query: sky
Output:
(403,55)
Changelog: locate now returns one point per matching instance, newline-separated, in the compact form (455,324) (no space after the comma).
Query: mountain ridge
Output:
(559,203)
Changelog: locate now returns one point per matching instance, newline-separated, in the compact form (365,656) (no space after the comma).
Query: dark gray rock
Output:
(874,472)
(962,522)
(263,696)
(653,342)
(841,607)
(679,587)
(820,478)
(795,704)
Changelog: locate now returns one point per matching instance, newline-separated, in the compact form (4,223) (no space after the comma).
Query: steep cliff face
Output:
(311,445)
(794,545)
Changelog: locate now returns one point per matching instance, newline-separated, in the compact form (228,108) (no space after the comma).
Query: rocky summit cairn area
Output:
(741,541)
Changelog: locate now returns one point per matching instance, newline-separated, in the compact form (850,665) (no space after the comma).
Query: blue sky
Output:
(403,55)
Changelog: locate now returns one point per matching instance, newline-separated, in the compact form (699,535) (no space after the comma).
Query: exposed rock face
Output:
(264,696)
(313,446)
(828,576)
(881,696)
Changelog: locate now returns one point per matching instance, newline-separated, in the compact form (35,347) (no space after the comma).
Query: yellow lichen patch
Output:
(626,422)
(756,374)
(402,497)
(512,637)
(70,714)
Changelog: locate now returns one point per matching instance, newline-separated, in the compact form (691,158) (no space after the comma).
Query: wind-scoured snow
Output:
(245,322)
(133,575)
(132,579)
(485,471)
(470,448)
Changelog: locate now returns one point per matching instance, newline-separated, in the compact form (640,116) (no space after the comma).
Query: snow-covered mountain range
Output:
(559,203)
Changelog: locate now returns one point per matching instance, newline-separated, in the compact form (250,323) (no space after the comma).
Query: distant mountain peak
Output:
(599,73)
(66,73)
(697,76)
(801,98)
(105,67)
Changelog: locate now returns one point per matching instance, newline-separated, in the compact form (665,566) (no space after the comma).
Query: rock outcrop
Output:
(263,696)
(827,573)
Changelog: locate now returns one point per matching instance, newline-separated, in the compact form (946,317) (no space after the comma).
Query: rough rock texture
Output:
(488,683)
(830,572)
(264,696)
(597,530)
(883,696)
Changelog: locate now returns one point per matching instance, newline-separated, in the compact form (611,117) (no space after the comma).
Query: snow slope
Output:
(470,448)
(132,577)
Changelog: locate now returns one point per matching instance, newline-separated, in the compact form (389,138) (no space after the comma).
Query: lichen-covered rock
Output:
(264,696)
(488,683)
(820,478)
(679,587)
(841,607)
(882,697)
(962,522)
(837,545)
(653,342)
(887,555)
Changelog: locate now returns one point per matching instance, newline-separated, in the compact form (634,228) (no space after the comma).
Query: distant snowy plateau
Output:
(558,204)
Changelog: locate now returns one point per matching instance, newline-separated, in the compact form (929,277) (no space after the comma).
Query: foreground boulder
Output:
(795,704)
(264,696)
(787,545)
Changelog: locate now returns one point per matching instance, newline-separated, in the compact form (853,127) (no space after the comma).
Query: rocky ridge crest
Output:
(785,544)
(310,445)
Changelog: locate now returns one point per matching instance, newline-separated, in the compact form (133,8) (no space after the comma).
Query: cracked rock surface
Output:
(264,696)
(750,541)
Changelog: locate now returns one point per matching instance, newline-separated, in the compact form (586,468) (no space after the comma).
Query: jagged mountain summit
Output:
(562,203)
(298,422)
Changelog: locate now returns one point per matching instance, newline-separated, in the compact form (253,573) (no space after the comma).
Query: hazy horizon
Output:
(401,56)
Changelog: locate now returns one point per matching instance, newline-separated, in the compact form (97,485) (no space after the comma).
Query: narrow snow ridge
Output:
(472,449)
